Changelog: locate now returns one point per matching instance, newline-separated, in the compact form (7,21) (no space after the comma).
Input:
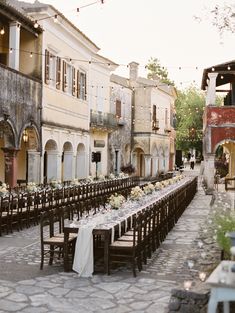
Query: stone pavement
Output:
(24,288)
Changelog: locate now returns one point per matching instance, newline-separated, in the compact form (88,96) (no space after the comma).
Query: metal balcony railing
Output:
(101,120)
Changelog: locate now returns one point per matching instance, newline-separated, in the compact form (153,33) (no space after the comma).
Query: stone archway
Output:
(139,162)
(228,155)
(67,162)
(8,169)
(51,161)
(80,162)
(28,157)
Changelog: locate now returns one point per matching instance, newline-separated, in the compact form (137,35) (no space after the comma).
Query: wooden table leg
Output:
(66,252)
(106,252)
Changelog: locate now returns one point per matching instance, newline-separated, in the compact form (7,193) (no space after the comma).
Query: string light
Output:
(56,18)
(2,31)
(31,54)
(213,69)
(229,68)
(36,25)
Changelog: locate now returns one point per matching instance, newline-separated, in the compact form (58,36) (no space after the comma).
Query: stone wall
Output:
(20,100)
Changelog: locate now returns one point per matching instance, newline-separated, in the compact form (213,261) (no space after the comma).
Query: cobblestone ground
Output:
(24,288)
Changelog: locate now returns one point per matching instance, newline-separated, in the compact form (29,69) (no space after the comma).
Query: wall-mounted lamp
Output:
(25,136)
(2,31)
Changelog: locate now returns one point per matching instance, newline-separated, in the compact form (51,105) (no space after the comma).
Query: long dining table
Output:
(108,223)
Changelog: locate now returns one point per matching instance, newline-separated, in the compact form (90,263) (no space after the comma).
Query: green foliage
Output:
(224,223)
(157,71)
(189,111)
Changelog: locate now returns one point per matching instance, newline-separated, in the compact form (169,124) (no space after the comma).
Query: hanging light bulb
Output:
(11,50)
(25,136)
(31,54)
(36,24)
(229,68)
(56,18)
(2,31)
(222,77)
(213,69)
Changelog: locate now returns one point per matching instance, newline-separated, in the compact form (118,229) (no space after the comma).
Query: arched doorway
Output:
(8,153)
(67,162)
(138,162)
(51,161)
(80,162)
(225,158)
(28,157)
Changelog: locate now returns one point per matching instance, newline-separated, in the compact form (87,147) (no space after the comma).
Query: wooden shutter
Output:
(73,81)
(78,84)
(47,66)
(64,76)
(154,113)
(58,73)
(118,108)
(85,88)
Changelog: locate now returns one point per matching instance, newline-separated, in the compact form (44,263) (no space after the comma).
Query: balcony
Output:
(101,121)
(20,97)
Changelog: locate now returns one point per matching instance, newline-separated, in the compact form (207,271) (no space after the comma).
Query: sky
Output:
(136,30)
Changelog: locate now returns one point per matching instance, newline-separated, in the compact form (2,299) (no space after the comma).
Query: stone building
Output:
(20,96)
(120,139)
(75,88)
(149,123)
(218,121)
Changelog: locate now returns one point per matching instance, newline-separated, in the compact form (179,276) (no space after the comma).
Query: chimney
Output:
(133,70)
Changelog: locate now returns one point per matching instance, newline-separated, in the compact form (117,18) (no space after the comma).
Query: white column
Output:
(154,166)
(147,163)
(167,163)
(53,168)
(209,172)
(68,165)
(211,93)
(14,43)
(33,166)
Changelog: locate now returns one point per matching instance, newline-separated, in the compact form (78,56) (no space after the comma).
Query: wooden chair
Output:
(4,214)
(52,236)
(130,251)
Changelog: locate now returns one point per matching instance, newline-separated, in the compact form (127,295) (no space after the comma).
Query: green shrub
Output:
(224,223)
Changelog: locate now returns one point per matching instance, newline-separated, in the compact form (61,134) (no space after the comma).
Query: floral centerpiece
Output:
(89,179)
(136,193)
(122,175)
(3,190)
(56,184)
(158,185)
(111,176)
(149,188)
(101,177)
(116,201)
(31,187)
(75,182)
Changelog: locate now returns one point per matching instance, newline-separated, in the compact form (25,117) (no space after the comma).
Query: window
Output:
(83,90)
(155,123)
(78,84)
(47,66)
(64,76)
(166,117)
(58,73)
(73,81)
(118,108)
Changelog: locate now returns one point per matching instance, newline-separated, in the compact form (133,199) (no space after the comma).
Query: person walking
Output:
(192,161)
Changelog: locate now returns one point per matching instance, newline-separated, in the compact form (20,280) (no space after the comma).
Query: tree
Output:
(157,71)
(221,16)
(189,111)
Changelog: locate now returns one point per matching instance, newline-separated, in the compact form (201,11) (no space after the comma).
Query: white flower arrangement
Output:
(3,190)
(56,183)
(148,188)
(122,175)
(111,176)
(101,177)
(89,179)
(31,187)
(116,201)
(158,185)
(75,182)
(165,183)
(136,193)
